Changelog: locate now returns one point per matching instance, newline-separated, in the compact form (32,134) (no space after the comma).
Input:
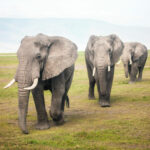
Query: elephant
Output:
(134,58)
(101,54)
(45,63)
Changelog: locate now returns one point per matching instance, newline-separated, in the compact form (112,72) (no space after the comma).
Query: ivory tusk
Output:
(10,83)
(108,68)
(35,82)
(93,71)
(130,62)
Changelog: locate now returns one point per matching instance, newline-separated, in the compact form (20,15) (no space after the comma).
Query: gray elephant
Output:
(45,63)
(134,58)
(101,54)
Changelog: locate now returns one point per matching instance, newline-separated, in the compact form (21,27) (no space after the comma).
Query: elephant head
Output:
(103,53)
(105,50)
(41,58)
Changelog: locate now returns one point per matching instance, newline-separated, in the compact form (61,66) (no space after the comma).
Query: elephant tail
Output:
(67,101)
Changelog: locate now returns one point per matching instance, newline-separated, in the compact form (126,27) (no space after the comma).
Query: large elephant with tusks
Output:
(45,63)
(101,54)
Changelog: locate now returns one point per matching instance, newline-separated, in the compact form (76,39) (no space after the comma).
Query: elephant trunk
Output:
(102,80)
(104,94)
(23,98)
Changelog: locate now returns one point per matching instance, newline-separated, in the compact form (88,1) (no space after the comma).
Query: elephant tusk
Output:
(108,68)
(10,83)
(93,71)
(130,62)
(35,82)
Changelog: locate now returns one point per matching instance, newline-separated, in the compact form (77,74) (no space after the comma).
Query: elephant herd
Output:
(47,63)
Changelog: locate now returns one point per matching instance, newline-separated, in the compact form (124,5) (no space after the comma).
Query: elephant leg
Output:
(38,96)
(91,82)
(140,73)
(58,91)
(91,88)
(133,74)
(129,69)
(65,98)
(98,89)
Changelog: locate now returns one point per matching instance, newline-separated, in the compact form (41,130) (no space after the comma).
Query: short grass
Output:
(125,125)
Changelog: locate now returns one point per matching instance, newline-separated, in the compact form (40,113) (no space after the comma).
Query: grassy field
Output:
(125,125)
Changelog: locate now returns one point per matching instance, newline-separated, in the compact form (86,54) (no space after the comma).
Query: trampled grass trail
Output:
(125,125)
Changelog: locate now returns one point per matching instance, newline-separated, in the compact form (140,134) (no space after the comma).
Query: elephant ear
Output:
(62,54)
(117,47)
(89,51)
(91,42)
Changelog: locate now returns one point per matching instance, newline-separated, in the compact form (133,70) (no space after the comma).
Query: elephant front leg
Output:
(140,73)
(105,100)
(91,81)
(133,74)
(38,96)
(58,91)
(56,111)
(91,88)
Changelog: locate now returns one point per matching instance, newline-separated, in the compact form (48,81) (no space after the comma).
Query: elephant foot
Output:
(139,79)
(59,122)
(131,82)
(23,128)
(25,131)
(104,103)
(91,97)
(42,125)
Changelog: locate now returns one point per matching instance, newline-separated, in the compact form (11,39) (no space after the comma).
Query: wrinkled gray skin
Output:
(51,60)
(134,57)
(102,52)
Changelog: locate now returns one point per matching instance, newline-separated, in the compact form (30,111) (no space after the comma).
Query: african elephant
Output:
(101,54)
(134,57)
(45,63)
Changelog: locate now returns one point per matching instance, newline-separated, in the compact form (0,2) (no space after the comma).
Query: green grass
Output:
(125,125)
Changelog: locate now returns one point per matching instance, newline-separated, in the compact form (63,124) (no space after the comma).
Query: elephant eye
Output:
(110,53)
(109,50)
(38,56)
